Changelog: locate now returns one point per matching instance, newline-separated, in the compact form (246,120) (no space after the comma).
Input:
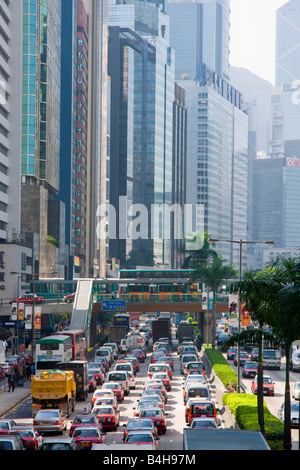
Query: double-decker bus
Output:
(52,349)
(78,343)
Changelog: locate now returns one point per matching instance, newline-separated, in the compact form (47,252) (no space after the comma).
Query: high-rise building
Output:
(217,152)
(97,135)
(148,85)
(40,134)
(199,33)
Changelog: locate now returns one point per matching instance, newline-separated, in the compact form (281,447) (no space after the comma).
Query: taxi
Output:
(117,388)
(107,416)
(164,377)
(101,392)
(158,417)
(85,419)
(87,436)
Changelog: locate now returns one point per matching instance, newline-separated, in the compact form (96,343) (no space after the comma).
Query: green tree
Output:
(213,274)
(195,258)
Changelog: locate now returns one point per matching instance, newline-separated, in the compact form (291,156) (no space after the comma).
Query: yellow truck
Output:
(53,389)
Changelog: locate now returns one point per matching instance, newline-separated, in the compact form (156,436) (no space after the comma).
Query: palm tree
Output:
(194,258)
(213,274)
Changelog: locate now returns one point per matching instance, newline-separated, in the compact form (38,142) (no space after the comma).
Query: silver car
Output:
(50,421)
(294,413)
(296,391)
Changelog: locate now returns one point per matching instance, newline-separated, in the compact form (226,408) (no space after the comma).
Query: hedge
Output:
(244,406)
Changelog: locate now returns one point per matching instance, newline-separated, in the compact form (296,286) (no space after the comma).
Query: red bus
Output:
(78,343)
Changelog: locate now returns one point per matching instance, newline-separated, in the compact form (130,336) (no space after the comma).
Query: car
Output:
(32,439)
(158,367)
(294,413)
(232,351)
(201,408)
(268,386)
(86,436)
(2,373)
(153,400)
(101,362)
(169,361)
(6,425)
(203,423)
(160,387)
(158,417)
(164,377)
(53,420)
(196,366)
(85,419)
(197,390)
(141,437)
(105,353)
(222,339)
(139,424)
(108,401)
(107,416)
(189,349)
(117,388)
(122,378)
(244,357)
(185,358)
(139,354)
(101,392)
(69,298)
(11,442)
(6,367)
(250,369)
(295,361)
(254,354)
(296,391)
(60,443)
(124,366)
(131,378)
(134,361)
(28,299)
(92,383)
(97,373)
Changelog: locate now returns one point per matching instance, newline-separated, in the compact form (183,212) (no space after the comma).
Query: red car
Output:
(2,373)
(250,369)
(6,426)
(200,409)
(107,416)
(164,377)
(268,386)
(141,437)
(86,436)
(92,383)
(138,353)
(254,354)
(31,437)
(117,388)
(158,417)
(88,419)
(97,374)
(69,298)
(28,299)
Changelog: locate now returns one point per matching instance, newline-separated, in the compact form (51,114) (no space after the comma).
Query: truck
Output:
(223,439)
(53,389)
(81,376)
(185,331)
(161,328)
(116,333)
(271,359)
(135,341)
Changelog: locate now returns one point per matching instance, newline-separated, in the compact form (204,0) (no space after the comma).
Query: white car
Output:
(296,391)
(295,361)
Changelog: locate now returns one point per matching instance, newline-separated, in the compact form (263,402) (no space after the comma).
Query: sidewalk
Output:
(10,399)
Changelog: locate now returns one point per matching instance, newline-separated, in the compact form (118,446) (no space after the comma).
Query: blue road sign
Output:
(114,305)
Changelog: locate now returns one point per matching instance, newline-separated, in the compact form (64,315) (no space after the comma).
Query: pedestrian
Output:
(32,369)
(11,382)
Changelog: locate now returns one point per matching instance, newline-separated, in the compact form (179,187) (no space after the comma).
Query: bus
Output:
(52,349)
(156,273)
(78,343)
(121,319)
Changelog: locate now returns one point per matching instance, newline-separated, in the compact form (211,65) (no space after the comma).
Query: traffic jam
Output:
(140,392)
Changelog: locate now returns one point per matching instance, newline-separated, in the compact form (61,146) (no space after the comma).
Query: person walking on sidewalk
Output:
(11,382)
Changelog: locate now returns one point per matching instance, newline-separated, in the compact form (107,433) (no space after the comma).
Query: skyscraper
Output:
(40,144)
(148,85)
(199,33)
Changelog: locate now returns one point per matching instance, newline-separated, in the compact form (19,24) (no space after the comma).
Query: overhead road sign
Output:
(114,306)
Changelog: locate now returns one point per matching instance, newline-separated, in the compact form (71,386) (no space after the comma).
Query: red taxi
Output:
(158,417)
(97,373)
(86,436)
(164,377)
(6,426)
(198,409)
(268,386)
(139,354)
(100,392)
(141,437)
(28,299)
(107,416)
(92,383)
(31,437)
(158,386)
(117,388)
(85,419)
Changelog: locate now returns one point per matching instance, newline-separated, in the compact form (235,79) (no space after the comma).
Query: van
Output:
(200,409)
(197,390)
(271,359)
(104,352)
(120,377)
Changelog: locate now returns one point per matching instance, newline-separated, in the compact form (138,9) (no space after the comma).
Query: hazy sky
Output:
(252,43)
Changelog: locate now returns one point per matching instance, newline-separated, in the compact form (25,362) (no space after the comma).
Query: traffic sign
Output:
(114,306)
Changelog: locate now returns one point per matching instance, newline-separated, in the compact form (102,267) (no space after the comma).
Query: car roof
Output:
(58,439)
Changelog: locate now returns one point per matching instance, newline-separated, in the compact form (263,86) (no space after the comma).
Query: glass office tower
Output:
(149,120)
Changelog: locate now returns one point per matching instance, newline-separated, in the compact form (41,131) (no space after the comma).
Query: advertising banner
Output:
(37,318)
(28,317)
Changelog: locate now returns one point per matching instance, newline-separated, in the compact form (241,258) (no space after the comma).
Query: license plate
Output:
(85,444)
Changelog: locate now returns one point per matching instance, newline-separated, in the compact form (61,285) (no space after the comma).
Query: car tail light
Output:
(58,423)
(35,423)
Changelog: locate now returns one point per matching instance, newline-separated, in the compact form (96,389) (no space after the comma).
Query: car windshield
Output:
(148,413)
(4,425)
(198,392)
(250,365)
(267,380)
(6,445)
(25,432)
(86,433)
(295,406)
(271,354)
(105,410)
(142,423)
(46,414)
(84,420)
(201,409)
(56,446)
(117,376)
(111,386)
(204,424)
(139,438)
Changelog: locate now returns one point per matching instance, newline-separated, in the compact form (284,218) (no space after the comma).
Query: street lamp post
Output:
(240,243)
